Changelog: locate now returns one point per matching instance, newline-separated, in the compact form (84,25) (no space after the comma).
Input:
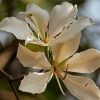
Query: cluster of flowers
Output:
(50,44)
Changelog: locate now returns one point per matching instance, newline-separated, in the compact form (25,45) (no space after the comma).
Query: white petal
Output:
(81,87)
(31,23)
(37,10)
(22,15)
(31,59)
(41,15)
(31,19)
(35,83)
(36,41)
(74,29)
(85,62)
(62,51)
(61,15)
(17,27)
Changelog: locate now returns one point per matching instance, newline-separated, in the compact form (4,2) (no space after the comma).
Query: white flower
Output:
(60,34)
(37,27)
(80,86)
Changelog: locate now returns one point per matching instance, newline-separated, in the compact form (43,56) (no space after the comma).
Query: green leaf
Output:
(35,47)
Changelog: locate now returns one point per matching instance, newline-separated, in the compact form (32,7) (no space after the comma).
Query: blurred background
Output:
(90,39)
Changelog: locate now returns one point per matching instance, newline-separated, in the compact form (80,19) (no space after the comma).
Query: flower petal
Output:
(81,87)
(62,51)
(36,41)
(37,10)
(85,62)
(31,59)
(61,15)
(41,15)
(17,27)
(35,83)
(74,29)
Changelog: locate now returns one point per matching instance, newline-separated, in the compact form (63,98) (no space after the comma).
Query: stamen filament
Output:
(59,84)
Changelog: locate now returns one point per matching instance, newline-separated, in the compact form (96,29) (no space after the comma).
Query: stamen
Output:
(36,22)
(66,72)
(58,73)
(59,84)
(62,76)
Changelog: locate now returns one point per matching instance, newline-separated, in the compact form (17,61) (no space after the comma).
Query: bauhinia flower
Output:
(36,26)
(59,34)
(80,86)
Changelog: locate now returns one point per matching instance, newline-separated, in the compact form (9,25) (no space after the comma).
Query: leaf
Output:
(35,47)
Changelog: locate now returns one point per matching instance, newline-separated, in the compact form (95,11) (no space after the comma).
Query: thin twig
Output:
(9,77)
(10,80)
(18,77)
(14,90)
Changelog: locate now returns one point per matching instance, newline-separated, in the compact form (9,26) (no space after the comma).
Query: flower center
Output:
(58,73)
(46,40)
(61,74)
